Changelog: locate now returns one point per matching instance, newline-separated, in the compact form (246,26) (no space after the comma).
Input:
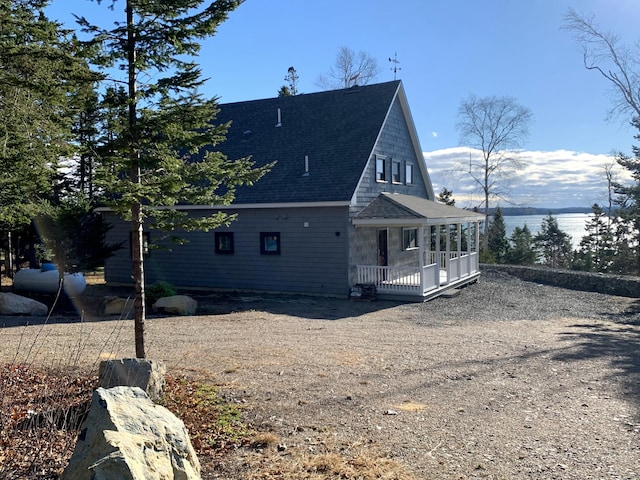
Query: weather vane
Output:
(395,62)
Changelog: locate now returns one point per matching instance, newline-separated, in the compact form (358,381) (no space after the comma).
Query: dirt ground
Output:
(508,379)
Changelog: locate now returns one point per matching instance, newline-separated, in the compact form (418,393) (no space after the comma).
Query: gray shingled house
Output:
(348,203)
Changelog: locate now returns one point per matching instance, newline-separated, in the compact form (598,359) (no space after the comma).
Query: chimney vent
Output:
(279,124)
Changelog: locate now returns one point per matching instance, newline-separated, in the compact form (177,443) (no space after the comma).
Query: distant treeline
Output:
(514,211)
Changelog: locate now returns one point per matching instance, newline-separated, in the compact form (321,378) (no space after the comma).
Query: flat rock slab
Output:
(149,375)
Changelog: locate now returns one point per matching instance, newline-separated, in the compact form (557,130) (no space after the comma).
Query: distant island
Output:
(517,211)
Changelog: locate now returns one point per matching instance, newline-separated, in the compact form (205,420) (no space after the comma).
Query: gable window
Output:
(409,238)
(395,172)
(270,243)
(224,243)
(381,168)
(408,174)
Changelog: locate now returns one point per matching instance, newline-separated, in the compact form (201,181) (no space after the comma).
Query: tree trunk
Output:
(137,218)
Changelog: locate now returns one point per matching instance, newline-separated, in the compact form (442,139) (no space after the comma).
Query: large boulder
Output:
(128,437)
(176,304)
(12,304)
(149,375)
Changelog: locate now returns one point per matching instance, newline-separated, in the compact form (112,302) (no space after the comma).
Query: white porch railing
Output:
(410,280)
(400,279)
(432,257)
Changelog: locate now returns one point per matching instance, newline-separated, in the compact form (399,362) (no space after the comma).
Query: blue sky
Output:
(447,50)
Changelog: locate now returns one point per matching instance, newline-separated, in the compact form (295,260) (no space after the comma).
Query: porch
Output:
(423,248)
(421,283)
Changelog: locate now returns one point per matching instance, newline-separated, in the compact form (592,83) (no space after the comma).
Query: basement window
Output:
(381,168)
(409,238)
(224,243)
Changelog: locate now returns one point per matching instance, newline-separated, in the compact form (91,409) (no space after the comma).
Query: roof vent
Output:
(306,166)
(279,124)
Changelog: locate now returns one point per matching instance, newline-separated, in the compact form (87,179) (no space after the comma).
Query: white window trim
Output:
(383,158)
(407,180)
(404,246)
(399,164)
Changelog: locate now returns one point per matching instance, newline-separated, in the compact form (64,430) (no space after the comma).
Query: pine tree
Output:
(162,156)
(521,251)
(596,253)
(446,196)
(39,71)
(497,242)
(553,244)
(628,214)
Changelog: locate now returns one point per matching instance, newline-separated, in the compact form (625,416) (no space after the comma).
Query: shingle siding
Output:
(395,144)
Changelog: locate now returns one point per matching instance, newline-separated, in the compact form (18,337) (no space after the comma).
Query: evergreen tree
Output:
(73,235)
(446,196)
(497,242)
(553,244)
(595,253)
(628,214)
(39,71)
(521,251)
(162,155)
(291,88)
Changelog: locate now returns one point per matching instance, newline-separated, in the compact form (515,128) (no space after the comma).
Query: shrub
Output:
(158,290)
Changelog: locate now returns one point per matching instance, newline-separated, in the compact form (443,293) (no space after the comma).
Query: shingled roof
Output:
(409,210)
(336,130)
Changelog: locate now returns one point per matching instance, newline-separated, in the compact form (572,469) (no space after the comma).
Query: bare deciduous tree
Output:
(349,69)
(617,63)
(496,127)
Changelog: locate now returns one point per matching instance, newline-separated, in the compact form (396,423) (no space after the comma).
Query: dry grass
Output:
(42,411)
(334,461)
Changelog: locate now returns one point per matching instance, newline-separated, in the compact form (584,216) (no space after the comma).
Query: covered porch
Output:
(422,248)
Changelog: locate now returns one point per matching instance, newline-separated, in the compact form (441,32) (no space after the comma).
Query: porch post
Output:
(459,253)
(422,255)
(438,257)
(447,244)
(477,244)
(470,260)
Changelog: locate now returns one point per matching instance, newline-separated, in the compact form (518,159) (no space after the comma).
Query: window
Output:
(381,169)
(408,174)
(224,243)
(409,238)
(395,172)
(270,243)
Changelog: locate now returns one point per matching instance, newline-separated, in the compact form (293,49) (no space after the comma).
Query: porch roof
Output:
(400,209)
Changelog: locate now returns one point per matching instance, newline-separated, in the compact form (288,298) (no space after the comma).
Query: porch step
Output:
(454,292)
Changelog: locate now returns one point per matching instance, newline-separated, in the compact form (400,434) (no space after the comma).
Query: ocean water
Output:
(570,223)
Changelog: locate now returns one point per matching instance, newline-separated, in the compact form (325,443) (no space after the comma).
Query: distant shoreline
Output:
(518,211)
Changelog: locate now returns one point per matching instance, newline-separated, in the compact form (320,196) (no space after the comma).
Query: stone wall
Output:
(622,285)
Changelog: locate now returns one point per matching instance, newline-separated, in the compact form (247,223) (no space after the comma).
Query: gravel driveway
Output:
(509,379)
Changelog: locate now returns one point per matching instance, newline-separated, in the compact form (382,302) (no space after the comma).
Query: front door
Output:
(383,252)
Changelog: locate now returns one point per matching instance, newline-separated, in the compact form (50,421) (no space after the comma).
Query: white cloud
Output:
(554,179)
(434,134)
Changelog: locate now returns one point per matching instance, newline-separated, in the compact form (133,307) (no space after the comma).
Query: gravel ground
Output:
(508,379)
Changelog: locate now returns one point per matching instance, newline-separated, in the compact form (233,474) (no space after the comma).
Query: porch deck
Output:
(421,284)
